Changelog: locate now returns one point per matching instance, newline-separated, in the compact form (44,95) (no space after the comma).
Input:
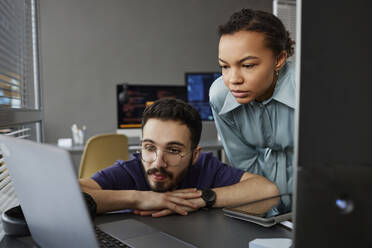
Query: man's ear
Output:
(195,154)
(280,60)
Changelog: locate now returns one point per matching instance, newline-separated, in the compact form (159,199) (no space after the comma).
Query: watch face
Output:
(209,195)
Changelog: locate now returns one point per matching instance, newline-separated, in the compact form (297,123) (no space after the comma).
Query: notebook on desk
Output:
(260,211)
(55,211)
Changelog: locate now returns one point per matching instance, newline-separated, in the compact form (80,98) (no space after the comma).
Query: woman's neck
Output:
(269,92)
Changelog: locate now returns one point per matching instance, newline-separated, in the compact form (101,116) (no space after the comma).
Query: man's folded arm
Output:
(114,200)
(251,187)
(108,200)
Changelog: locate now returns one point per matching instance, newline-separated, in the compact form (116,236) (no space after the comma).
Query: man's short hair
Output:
(176,110)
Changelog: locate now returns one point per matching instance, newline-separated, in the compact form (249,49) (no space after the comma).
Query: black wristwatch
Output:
(209,196)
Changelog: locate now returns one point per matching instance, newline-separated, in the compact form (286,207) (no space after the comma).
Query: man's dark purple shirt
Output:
(207,172)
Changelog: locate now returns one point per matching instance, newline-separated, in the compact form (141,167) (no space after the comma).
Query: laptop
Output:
(47,188)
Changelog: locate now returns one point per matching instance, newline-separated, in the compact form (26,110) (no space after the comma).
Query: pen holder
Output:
(78,135)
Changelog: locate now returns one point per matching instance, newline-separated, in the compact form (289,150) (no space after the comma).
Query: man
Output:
(170,174)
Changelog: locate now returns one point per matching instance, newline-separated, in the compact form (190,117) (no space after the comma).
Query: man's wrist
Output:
(137,198)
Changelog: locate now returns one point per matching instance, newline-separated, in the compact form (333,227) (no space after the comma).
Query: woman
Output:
(253,102)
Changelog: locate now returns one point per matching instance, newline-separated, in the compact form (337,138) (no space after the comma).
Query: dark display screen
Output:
(198,85)
(133,99)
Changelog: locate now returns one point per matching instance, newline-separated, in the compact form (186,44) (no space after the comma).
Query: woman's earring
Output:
(276,73)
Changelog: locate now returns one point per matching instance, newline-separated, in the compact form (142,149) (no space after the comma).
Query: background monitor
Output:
(198,84)
(133,99)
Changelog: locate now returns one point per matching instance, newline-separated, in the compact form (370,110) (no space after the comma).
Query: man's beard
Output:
(160,186)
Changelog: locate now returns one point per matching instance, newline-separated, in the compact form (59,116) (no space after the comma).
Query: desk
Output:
(202,229)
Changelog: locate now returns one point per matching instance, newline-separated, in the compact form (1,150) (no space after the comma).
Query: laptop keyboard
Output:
(108,241)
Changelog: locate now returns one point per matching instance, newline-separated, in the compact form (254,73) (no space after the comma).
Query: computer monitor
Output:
(198,84)
(133,99)
(334,162)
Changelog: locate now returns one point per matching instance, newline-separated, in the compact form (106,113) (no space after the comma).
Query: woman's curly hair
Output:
(277,37)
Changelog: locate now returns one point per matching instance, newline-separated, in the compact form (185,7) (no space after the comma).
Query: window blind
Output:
(8,198)
(285,10)
(16,54)
(20,104)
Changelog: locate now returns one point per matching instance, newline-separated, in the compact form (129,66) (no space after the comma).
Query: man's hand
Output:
(191,202)
(179,201)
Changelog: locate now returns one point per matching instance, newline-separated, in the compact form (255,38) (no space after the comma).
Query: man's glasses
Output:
(171,156)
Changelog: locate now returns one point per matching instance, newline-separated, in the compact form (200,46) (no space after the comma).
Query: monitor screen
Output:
(198,85)
(133,99)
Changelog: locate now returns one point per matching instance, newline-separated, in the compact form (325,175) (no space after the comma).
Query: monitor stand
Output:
(134,135)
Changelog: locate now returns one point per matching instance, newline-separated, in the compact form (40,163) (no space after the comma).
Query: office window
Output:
(285,10)
(20,103)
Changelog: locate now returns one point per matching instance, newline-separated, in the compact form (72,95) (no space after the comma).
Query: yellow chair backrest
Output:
(102,151)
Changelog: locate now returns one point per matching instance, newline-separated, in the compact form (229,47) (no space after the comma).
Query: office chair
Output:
(101,151)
